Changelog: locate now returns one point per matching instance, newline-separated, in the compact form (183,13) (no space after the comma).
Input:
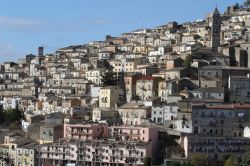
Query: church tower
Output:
(216,28)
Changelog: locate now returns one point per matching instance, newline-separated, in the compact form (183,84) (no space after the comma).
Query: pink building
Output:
(113,153)
(139,134)
(59,153)
(119,145)
(93,152)
(85,131)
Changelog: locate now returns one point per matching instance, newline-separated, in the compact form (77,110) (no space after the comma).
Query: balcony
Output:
(80,132)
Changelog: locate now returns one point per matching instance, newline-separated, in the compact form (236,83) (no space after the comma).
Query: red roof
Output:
(147,78)
(227,106)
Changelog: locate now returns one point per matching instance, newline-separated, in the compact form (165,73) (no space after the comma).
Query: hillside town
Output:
(167,95)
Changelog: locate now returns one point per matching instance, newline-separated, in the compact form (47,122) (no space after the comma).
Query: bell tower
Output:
(215,32)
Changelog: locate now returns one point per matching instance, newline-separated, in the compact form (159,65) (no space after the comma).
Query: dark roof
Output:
(216,11)
(209,89)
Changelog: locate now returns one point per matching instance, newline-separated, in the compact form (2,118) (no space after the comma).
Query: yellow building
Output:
(108,96)
(124,65)
(18,150)
(143,49)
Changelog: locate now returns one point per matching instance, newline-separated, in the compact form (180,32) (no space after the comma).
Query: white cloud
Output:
(8,52)
(18,23)
(95,21)
(31,25)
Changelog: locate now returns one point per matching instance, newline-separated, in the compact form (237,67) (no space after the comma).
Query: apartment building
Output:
(134,113)
(85,131)
(239,89)
(94,75)
(108,96)
(147,87)
(212,124)
(130,85)
(18,151)
(117,149)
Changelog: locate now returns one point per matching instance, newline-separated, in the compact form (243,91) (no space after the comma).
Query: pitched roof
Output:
(216,11)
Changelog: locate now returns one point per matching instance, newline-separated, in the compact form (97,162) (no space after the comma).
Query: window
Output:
(211,131)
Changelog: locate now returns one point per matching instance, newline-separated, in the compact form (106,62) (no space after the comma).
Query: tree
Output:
(232,60)
(247,3)
(231,161)
(109,78)
(12,116)
(246,159)
(199,159)
(147,161)
(188,61)
(196,37)
(1,114)
(191,71)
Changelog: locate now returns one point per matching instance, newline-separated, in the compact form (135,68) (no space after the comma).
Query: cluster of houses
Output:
(189,80)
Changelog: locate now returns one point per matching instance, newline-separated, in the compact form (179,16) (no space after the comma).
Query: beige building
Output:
(176,73)
(134,113)
(130,85)
(108,96)
(107,115)
(124,65)
(50,133)
(27,154)
(19,151)
(94,75)
(143,49)
(174,62)
(146,87)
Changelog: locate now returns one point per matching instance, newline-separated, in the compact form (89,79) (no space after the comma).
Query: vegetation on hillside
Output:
(109,78)
(11,117)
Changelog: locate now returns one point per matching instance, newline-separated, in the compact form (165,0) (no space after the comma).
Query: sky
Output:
(27,24)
